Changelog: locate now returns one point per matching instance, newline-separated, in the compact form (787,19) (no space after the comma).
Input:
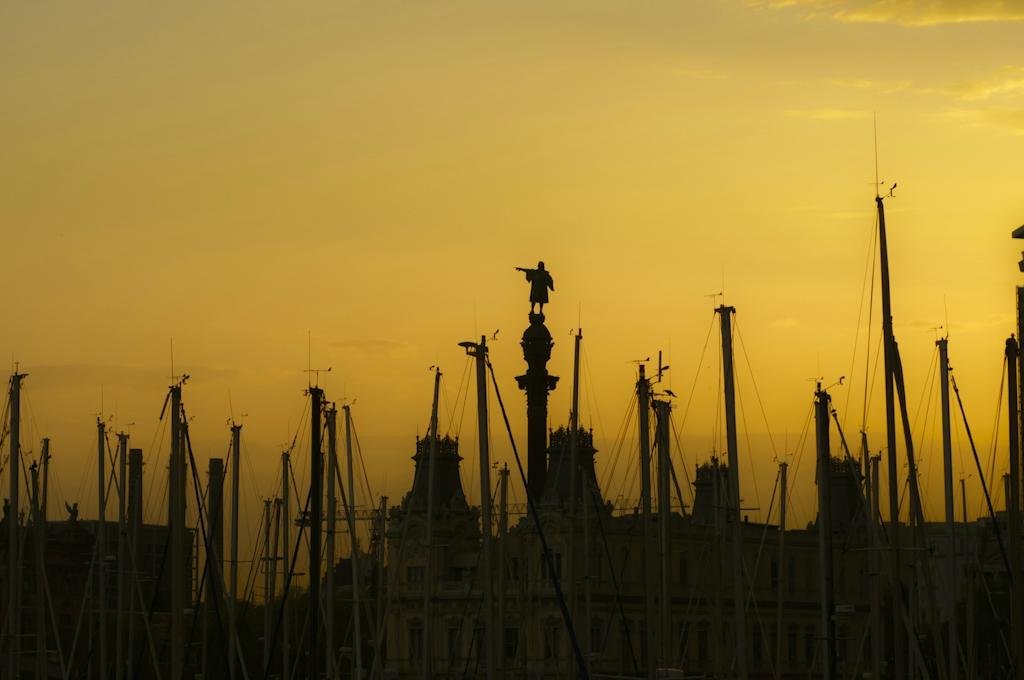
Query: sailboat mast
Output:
(122,552)
(13,528)
(889,341)
(40,563)
(176,521)
(1013,507)
(101,543)
(268,590)
(214,550)
(828,630)
(286,552)
(357,614)
(316,480)
(739,591)
(781,569)
(643,422)
(332,514)
(479,352)
(428,591)
(663,410)
(502,542)
(874,561)
(45,464)
(134,510)
(947,469)
(236,453)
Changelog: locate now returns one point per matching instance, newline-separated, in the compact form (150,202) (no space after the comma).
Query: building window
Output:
(552,640)
(758,646)
(683,570)
(683,639)
(511,643)
(453,641)
(775,575)
(841,639)
(810,645)
(597,631)
(791,574)
(415,642)
(702,642)
(480,645)
(415,573)
(513,568)
(791,635)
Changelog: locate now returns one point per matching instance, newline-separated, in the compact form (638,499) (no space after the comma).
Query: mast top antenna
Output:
(314,373)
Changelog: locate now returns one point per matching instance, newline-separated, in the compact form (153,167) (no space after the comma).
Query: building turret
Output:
(556,488)
(846,504)
(709,491)
(448,493)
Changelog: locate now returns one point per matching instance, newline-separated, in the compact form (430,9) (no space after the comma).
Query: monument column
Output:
(537,382)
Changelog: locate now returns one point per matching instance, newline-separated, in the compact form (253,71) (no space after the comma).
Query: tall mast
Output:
(382,519)
(236,453)
(588,623)
(269,564)
(574,446)
(502,541)
(643,420)
(889,341)
(332,514)
(428,593)
(135,547)
(947,469)
(479,352)
(663,410)
(176,497)
(40,563)
(739,591)
(286,551)
(874,562)
(1013,508)
(122,552)
(45,458)
(1015,471)
(316,480)
(101,543)
(214,553)
(357,614)
(13,529)
(828,626)
(781,569)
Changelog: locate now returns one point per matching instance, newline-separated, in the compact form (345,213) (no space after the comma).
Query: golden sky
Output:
(366,175)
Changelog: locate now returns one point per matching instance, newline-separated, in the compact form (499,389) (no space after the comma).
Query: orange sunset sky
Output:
(350,184)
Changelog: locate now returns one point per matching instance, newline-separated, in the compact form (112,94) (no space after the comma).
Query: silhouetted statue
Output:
(540,281)
(72,512)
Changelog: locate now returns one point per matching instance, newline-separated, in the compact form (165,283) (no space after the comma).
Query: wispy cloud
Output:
(700,73)
(374,346)
(113,375)
(873,85)
(906,12)
(1009,81)
(828,114)
(1004,118)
